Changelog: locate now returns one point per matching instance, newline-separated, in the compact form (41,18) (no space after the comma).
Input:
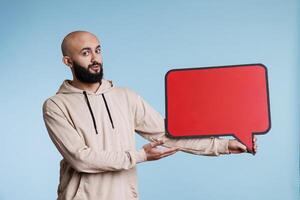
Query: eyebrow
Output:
(88,48)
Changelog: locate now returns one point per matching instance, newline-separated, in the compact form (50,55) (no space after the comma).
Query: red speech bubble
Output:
(218,101)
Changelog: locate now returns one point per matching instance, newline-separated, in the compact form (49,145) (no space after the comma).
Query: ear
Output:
(67,61)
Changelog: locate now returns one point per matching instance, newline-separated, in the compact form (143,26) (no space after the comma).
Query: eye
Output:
(85,53)
(98,51)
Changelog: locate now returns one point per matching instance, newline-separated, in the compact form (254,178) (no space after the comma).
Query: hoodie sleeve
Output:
(73,148)
(150,125)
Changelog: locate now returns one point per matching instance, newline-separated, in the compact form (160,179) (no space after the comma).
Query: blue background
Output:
(141,41)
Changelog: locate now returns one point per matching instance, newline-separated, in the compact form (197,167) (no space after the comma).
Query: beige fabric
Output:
(103,166)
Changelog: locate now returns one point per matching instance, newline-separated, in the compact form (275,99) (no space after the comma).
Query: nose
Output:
(96,57)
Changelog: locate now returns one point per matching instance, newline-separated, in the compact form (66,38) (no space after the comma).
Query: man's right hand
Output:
(154,153)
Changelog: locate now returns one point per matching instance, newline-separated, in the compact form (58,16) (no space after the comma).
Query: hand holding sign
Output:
(217,101)
(235,147)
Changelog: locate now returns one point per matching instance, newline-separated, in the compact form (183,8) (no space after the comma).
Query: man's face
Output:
(84,52)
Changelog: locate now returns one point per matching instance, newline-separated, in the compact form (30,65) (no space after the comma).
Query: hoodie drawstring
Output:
(91,111)
(107,109)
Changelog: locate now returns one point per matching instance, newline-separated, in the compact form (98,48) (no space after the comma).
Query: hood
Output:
(67,88)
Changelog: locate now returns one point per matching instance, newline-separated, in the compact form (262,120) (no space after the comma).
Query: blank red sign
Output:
(218,101)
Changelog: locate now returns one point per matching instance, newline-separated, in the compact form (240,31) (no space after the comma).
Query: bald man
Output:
(93,123)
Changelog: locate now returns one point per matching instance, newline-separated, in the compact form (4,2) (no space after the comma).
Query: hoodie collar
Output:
(67,88)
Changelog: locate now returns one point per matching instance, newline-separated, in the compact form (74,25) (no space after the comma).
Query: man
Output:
(92,123)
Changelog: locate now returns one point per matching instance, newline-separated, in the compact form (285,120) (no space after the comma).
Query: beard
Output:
(85,76)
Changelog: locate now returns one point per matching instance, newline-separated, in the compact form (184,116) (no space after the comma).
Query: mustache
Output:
(95,63)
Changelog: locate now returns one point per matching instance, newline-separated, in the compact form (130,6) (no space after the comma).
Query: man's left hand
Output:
(235,147)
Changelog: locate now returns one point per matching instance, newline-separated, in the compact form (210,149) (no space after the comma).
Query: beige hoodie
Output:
(95,134)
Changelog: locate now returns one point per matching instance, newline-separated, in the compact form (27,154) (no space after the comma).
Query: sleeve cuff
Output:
(140,156)
(223,146)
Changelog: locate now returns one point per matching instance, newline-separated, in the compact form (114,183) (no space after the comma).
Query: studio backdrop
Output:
(141,41)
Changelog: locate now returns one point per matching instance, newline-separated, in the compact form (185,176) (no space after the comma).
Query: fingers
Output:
(255,148)
(235,147)
(152,145)
(167,154)
(163,153)
(254,144)
(154,153)
(242,147)
(169,150)
(156,143)
(254,139)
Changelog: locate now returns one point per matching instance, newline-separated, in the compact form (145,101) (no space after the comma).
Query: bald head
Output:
(75,40)
(82,54)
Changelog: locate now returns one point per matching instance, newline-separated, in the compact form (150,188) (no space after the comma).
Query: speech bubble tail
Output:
(247,140)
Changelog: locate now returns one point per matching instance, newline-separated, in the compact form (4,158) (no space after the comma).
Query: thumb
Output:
(242,147)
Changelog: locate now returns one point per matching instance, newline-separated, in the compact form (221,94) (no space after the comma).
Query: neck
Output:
(91,87)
